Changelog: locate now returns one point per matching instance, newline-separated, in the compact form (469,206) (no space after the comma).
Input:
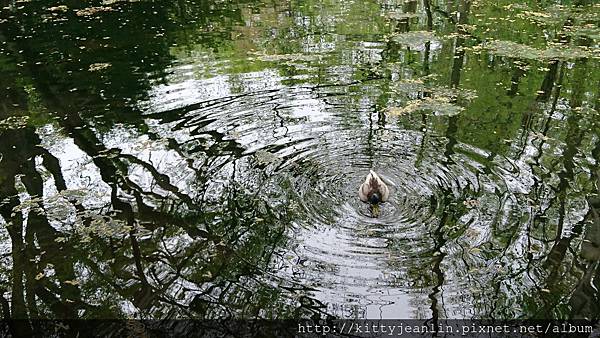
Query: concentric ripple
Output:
(312,146)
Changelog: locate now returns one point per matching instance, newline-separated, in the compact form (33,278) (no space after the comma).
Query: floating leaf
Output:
(589,30)
(396,111)
(93,10)
(288,57)
(513,49)
(414,40)
(400,16)
(94,67)
(440,106)
(60,8)
(14,122)
(520,51)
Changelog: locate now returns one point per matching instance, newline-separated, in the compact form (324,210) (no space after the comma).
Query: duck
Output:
(373,190)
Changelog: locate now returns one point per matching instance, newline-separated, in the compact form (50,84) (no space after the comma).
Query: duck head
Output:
(374,198)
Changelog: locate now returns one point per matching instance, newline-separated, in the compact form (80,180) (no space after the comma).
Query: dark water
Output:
(202,159)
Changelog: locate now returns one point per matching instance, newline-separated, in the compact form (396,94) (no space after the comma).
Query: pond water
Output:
(201,159)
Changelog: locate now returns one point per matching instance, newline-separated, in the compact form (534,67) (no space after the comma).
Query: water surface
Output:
(202,159)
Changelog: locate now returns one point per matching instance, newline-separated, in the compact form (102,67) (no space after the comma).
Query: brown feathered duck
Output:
(373,190)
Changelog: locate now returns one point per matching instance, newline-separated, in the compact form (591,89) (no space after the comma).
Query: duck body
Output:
(373,190)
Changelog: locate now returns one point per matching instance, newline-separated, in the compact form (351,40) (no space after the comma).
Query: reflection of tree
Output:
(143,278)
(558,252)
(449,217)
(197,253)
(459,52)
(585,299)
(447,205)
(558,204)
(32,236)
(219,259)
